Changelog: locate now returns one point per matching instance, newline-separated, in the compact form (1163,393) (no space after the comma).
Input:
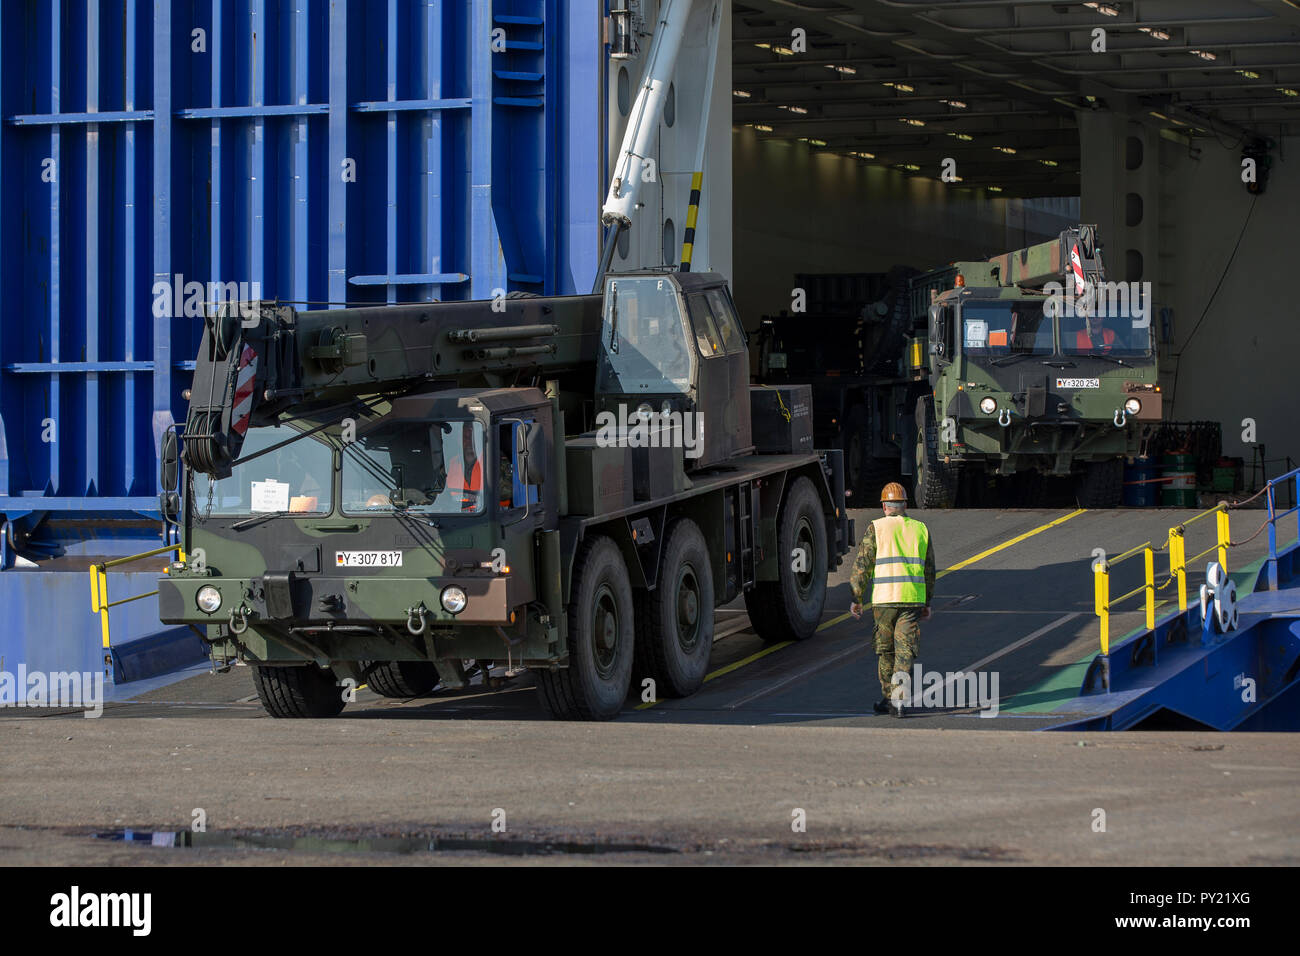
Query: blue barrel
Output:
(1140,491)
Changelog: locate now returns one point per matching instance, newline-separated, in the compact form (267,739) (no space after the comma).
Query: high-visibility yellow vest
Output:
(901,546)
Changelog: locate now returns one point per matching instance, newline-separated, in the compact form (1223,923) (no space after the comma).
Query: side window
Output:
(733,338)
(511,490)
(706,333)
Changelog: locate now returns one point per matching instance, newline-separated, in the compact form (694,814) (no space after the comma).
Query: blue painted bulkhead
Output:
(318,151)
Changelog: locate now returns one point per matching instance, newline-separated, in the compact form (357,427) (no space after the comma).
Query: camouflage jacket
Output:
(864,569)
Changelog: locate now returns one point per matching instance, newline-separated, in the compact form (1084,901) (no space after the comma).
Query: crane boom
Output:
(251,370)
(643,125)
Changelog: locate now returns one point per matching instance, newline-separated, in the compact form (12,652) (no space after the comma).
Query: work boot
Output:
(900,710)
(881,706)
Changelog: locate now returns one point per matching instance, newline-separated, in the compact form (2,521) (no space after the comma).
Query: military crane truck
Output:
(1038,366)
(375,495)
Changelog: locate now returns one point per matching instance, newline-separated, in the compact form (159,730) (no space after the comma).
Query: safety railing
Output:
(1102,601)
(1177,545)
(99,602)
(1274,516)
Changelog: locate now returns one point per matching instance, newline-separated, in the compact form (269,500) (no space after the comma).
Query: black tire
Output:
(1102,484)
(674,625)
(403,678)
(854,444)
(595,684)
(302,691)
(790,609)
(936,483)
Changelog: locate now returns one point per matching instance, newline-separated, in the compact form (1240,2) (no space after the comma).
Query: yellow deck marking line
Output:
(736,665)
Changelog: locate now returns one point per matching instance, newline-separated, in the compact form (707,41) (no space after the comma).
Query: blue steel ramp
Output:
(1182,675)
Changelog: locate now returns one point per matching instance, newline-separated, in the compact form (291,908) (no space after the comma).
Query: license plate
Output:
(367,559)
(1078,383)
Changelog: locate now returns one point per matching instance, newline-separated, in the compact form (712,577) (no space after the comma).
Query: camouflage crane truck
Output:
(374,495)
(1038,366)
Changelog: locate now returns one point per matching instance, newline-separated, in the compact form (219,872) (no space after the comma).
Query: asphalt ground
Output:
(778,735)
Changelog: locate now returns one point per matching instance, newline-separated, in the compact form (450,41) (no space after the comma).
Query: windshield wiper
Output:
(1008,359)
(1109,358)
(1061,364)
(613,318)
(248,522)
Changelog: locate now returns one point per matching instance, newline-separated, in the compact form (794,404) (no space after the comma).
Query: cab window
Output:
(706,332)
(427,468)
(512,489)
(1005,327)
(298,478)
(724,316)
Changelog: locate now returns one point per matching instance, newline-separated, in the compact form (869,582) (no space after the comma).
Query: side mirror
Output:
(169,502)
(170,461)
(534,445)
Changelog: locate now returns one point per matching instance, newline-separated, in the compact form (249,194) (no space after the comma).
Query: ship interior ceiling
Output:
(998,86)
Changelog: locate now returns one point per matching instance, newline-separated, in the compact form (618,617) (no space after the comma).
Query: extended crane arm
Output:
(272,360)
(643,125)
(1072,259)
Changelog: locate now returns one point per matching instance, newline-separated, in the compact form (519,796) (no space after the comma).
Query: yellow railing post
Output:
(1150,560)
(1101,600)
(1225,535)
(99,602)
(1178,564)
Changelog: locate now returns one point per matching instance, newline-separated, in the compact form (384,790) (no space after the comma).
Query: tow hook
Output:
(240,615)
(1120,418)
(415,622)
(1004,417)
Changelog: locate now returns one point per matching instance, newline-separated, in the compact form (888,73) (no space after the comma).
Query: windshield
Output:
(644,340)
(1005,327)
(423,467)
(1119,334)
(297,478)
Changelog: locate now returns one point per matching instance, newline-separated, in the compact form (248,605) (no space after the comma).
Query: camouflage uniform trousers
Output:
(898,640)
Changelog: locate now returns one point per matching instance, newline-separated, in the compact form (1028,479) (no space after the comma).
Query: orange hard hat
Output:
(893,492)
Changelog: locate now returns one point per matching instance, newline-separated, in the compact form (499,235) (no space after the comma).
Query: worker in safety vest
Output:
(894,573)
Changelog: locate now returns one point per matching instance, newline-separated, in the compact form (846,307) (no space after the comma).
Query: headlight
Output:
(666,408)
(644,411)
(208,599)
(988,406)
(453,600)
(1132,406)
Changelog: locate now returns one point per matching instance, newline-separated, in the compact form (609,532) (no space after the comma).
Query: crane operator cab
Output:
(673,353)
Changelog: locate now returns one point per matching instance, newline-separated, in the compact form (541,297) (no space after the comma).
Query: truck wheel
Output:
(1102,484)
(601,638)
(791,608)
(403,678)
(936,483)
(301,691)
(674,632)
(853,441)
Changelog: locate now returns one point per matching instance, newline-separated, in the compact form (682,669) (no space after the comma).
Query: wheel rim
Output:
(688,601)
(803,538)
(604,631)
